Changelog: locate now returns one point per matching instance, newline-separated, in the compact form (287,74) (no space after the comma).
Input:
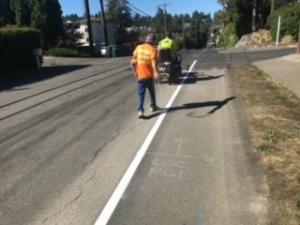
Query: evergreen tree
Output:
(198,33)
(177,24)
(190,32)
(6,15)
(54,28)
(141,21)
(47,17)
(22,10)
(75,17)
(118,13)
(249,15)
(158,23)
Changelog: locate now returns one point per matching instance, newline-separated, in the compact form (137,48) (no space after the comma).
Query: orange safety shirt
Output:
(144,54)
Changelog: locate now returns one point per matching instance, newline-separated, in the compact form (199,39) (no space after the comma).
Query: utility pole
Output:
(183,32)
(272,6)
(278,31)
(165,18)
(298,49)
(89,24)
(254,15)
(104,23)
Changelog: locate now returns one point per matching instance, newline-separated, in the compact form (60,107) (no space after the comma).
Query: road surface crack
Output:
(61,211)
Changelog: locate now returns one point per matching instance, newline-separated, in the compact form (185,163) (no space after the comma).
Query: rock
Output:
(259,38)
(288,39)
(245,41)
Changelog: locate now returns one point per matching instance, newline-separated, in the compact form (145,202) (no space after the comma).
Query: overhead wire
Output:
(137,10)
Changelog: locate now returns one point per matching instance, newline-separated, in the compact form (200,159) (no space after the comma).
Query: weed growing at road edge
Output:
(271,136)
(264,148)
(274,116)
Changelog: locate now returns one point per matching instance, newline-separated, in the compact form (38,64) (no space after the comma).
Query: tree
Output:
(54,27)
(47,17)
(254,15)
(197,34)
(6,14)
(272,6)
(264,8)
(177,23)
(157,24)
(247,15)
(22,10)
(74,17)
(275,4)
(141,21)
(118,13)
(290,15)
(220,18)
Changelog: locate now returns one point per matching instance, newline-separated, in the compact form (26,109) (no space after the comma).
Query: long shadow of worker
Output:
(193,78)
(217,106)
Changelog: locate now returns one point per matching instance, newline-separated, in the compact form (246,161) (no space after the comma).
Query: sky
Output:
(147,6)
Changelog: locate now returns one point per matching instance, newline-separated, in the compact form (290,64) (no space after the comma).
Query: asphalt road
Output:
(68,135)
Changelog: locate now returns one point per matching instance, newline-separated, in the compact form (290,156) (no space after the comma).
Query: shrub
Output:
(290,18)
(230,35)
(64,52)
(17,46)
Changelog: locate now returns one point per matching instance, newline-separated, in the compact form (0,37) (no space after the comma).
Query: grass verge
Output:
(274,116)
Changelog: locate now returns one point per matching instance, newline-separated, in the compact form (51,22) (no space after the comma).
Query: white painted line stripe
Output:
(123,184)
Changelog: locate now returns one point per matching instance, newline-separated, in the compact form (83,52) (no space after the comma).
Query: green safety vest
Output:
(167,43)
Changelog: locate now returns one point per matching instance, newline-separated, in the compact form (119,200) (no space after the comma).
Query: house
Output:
(77,33)
(97,32)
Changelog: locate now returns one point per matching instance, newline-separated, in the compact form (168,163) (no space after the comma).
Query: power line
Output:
(137,9)
(133,11)
(140,4)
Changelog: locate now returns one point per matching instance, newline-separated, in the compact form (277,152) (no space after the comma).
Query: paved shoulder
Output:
(285,69)
(200,168)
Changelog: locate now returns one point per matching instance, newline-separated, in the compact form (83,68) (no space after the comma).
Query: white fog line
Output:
(124,182)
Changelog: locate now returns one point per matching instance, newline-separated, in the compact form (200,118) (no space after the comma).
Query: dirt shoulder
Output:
(274,116)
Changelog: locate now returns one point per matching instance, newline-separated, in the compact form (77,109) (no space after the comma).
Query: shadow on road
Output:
(194,105)
(193,78)
(8,81)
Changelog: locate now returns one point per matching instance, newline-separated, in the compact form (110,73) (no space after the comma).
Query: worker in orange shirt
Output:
(144,63)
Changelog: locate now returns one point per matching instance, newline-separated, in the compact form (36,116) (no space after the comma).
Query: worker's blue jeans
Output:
(142,85)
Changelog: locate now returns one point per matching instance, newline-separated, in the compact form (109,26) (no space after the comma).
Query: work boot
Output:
(154,108)
(140,114)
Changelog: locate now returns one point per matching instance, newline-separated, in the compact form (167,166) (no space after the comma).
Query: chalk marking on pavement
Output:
(200,219)
(114,200)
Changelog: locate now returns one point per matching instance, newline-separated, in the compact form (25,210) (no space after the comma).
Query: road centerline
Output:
(114,200)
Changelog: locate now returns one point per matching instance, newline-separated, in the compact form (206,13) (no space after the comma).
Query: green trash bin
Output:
(116,50)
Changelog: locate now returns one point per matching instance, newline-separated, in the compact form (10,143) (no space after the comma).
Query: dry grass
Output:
(274,116)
